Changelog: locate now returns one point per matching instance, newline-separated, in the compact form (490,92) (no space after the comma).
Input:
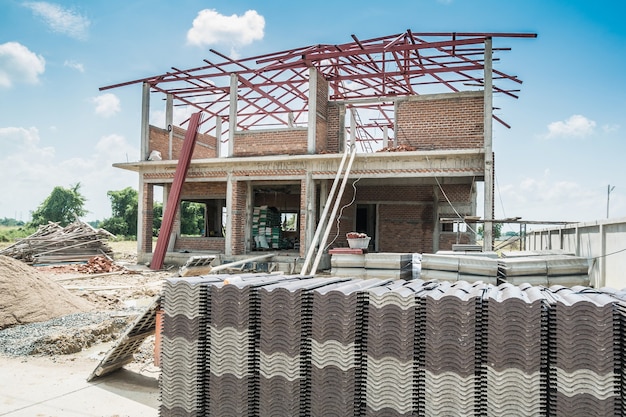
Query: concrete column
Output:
(145,122)
(249,211)
(169,120)
(218,136)
(232,115)
(352,128)
(385,136)
(488,147)
(141,202)
(176,226)
(310,213)
(228,239)
(312,116)
(600,280)
(436,223)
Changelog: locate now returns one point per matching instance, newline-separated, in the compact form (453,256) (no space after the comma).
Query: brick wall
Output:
(449,123)
(159,141)
(271,142)
(204,190)
(405,227)
(321,120)
(200,244)
(332,128)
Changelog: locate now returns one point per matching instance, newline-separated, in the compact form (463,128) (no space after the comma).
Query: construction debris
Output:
(196,266)
(399,148)
(123,352)
(76,242)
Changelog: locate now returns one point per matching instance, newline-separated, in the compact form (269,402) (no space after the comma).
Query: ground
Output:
(45,374)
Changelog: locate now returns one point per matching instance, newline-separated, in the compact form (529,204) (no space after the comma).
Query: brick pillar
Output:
(147,207)
(238,222)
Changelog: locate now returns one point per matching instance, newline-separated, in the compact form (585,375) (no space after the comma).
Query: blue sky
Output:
(566,144)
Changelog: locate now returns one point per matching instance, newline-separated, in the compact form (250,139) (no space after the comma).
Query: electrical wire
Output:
(338,221)
(401,131)
(608,254)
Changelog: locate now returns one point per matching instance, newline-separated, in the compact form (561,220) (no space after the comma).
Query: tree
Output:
(124,212)
(63,206)
(157,218)
(497,228)
(191,218)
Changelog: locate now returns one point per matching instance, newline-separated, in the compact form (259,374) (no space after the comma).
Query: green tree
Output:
(191,218)
(157,218)
(63,205)
(497,229)
(124,210)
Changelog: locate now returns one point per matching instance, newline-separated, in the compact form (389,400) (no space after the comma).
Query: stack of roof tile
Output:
(390,383)
(515,351)
(275,345)
(586,365)
(184,346)
(285,326)
(234,355)
(450,349)
(336,354)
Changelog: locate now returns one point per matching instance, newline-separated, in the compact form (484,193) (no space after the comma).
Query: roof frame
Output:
(273,88)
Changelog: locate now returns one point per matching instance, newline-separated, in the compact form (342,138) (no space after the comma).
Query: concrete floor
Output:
(58,387)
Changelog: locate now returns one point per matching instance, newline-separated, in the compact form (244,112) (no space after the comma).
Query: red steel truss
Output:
(273,88)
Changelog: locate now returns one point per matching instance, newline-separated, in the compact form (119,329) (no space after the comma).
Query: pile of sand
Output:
(27,296)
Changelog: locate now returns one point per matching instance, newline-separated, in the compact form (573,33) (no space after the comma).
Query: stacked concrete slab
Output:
(372,265)
(526,268)
(449,267)
(275,345)
(547,270)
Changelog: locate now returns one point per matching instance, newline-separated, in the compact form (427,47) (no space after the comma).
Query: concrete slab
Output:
(58,387)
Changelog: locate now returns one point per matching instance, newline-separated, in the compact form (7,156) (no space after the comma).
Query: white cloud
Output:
(210,27)
(444,1)
(61,20)
(576,126)
(107,104)
(26,165)
(74,65)
(611,128)
(545,198)
(19,64)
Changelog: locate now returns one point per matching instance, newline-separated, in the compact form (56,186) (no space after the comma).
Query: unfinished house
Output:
(406,119)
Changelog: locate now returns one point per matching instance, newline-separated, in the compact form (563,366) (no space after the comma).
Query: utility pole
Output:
(608,196)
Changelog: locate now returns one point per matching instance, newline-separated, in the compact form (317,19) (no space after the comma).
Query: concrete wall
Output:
(603,242)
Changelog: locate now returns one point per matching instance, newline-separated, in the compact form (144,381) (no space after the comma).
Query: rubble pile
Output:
(76,242)
(399,148)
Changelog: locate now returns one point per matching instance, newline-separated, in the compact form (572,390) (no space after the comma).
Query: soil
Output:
(59,310)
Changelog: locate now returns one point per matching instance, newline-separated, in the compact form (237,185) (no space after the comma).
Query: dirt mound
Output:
(26,296)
